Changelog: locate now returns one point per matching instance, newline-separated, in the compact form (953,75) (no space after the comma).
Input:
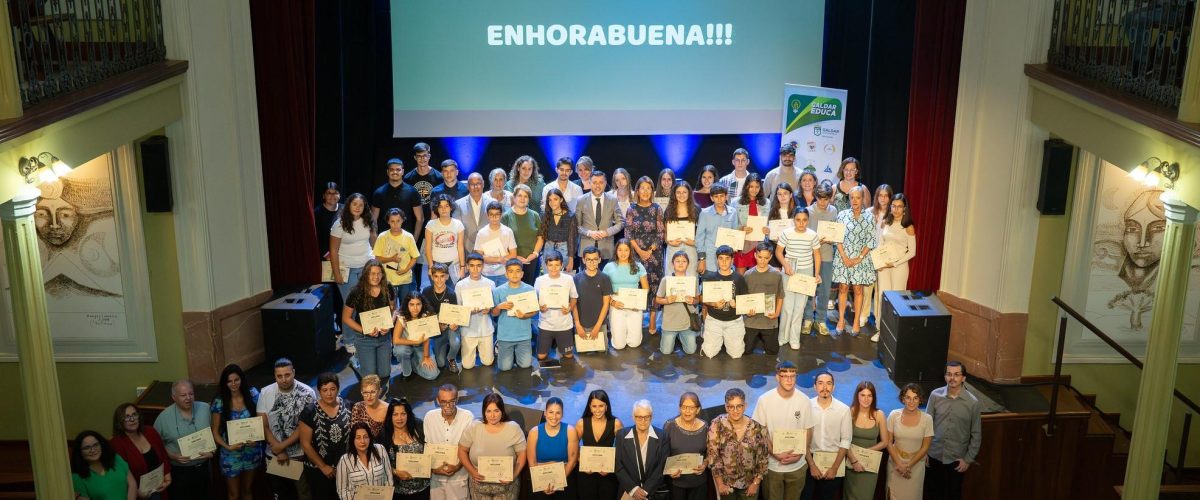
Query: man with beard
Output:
(281,403)
(956,435)
(831,435)
(445,425)
(396,194)
(785,172)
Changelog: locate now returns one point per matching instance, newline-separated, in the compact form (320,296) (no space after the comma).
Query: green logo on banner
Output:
(803,110)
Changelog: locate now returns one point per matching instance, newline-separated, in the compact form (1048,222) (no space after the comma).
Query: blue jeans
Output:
(448,343)
(351,280)
(521,350)
(410,357)
(561,246)
(374,354)
(401,291)
(687,338)
(820,303)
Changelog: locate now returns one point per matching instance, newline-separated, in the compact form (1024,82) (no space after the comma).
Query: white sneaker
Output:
(875,338)
(862,322)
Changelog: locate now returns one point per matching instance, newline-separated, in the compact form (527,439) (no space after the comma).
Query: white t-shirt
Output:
(481,324)
(507,239)
(356,247)
(775,412)
(437,431)
(554,320)
(444,241)
(283,411)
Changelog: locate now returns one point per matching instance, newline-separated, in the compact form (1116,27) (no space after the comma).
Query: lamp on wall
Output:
(42,168)
(1153,170)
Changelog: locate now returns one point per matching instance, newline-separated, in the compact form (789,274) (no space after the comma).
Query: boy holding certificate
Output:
(557,297)
(723,326)
(677,294)
(763,326)
(787,414)
(446,348)
(477,335)
(496,243)
(514,331)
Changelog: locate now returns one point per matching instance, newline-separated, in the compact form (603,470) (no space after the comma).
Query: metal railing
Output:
(66,45)
(1139,47)
(1058,361)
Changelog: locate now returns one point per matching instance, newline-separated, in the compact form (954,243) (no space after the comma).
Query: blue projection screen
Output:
(612,67)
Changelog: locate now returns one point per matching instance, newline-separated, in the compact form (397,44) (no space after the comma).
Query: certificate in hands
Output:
(597,459)
(632,298)
(376,319)
(327,272)
(756,302)
(453,314)
(824,460)
(756,223)
(556,297)
(478,298)
(196,443)
(598,344)
(550,473)
(733,238)
(831,232)
(885,254)
(416,464)
(441,454)
(778,226)
(524,303)
(374,492)
(493,248)
(681,230)
(293,470)
(422,328)
(150,481)
(789,441)
(496,469)
(681,286)
(868,458)
(245,430)
(684,463)
(716,291)
(802,284)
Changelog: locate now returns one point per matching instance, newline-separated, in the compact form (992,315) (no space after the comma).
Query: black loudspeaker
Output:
(914,337)
(156,174)
(299,326)
(1056,174)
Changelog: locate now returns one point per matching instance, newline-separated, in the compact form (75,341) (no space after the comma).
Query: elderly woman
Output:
(498,192)
(365,463)
(495,436)
(323,428)
(852,267)
(686,434)
(641,455)
(737,449)
(371,410)
(140,446)
(403,433)
(97,472)
(553,442)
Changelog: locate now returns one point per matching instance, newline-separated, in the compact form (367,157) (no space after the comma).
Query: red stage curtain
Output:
(937,47)
(284,72)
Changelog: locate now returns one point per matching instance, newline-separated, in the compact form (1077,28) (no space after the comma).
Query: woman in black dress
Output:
(598,427)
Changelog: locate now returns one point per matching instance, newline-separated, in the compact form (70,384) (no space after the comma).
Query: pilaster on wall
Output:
(991,225)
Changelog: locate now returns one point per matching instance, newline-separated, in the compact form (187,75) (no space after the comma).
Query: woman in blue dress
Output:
(852,267)
(239,461)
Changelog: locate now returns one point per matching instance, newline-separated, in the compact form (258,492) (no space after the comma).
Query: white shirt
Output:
(554,320)
(476,206)
(444,241)
(507,239)
(481,325)
(734,184)
(437,431)
(571,194)
(833,428)
(283,411)
(642,448)
(351,473)
(775,412)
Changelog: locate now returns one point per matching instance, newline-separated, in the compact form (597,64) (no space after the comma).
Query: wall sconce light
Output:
(42,168)
(1153,171)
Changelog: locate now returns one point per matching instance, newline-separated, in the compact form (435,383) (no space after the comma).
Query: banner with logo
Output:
(814,118)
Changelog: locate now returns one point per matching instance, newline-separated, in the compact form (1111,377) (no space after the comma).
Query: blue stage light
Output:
(466,151)
(676,151)
(558,146)
(764,150)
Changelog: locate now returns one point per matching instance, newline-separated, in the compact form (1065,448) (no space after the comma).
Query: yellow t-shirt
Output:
(389,245)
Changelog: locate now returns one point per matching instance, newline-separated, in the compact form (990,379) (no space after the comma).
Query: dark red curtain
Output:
(284,69)
(933,95)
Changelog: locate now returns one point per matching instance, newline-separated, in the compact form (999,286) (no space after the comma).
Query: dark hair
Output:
(710,169)
(824,191)
(397,212)
(118,424)
(735,393)
(724,250)
(825,372)
(330,185)
(848,160)
(717,189)
(643,180)
(801,210)
(906,219)
(420,147)
(394,161)
(681,253)
(328,378)
(226,396)
(347,219)
(448,162)
(633,263)
(372,452)
(597,172)
(514,176)
(283,363)
(415,431)
(496,399)
(440,198)
(800,187)
(915,388)
(765,246)
(783,366)
(693,211)
(495,205)
(407,300)
(565,160)
(79,465)
(741,151)
(868,386)
(953,362)
(364,280)
(513,262)
(658,184)
(474,256)
(553,255)
(554,400)
(590,250)
(787,148)
(601,396)
(690,396)
(744,198)
(875,200)
(438,267)
(547,215)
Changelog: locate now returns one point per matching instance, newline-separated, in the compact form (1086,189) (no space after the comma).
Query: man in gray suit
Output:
(472,211)
(596,230)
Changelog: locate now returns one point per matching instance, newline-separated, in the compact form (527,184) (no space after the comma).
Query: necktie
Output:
(598,213)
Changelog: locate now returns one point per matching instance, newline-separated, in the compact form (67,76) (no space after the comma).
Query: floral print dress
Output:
(860,233)
(645,226)
(250,456)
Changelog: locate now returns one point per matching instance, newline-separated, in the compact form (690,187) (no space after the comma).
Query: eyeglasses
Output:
(90,447)
(451,402)
(642,417)
(688,407)
(422,155)
(134,416)
(735,407)
(371,393)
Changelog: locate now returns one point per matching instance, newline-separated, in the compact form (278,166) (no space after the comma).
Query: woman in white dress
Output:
(900,235)
(912,432)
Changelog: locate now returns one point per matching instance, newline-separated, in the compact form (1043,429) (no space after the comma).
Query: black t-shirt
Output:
(368,303)
(739,288)
(456,193)
(435,300)
(324,220)
(592,290)
(403,197)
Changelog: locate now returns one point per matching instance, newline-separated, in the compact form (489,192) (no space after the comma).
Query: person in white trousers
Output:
(899,235)
(625,320)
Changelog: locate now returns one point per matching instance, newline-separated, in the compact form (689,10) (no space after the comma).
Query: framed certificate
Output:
(684,463)
(789,441)
(150,481)
(493,248)
(868,458)
(292,470)
(416,464)
(802,284)
(478,298)
(733,238)
(778,226)
(524,303)
(756,302)
(831,232)
(756,223)
(452,314)
(441,454)
(245,430)
(422,328)
(598,344)
(633,298)
(597,459)
(556,296)
(548,474)
(496,469)
(824,460)
(376,319)
(716,291)
(373,492)
(196,443)
(681,230)
(681,286)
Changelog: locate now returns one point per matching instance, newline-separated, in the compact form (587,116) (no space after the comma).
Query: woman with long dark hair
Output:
(525,171)
(140,446)
(413,353)
(848,175)
(559,230)
(708,177)
(495,436)
(97,472)
(899,234)
(239,461)
(870,432)
(751,202)
(365,463)
(403,433)
(666,184)
(598,427)
(350,242)
(373,348)
(625,323)
(682,208)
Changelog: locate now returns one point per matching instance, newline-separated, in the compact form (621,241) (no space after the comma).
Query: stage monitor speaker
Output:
(1056,175)
(156,174)
(299,326)
(914,336)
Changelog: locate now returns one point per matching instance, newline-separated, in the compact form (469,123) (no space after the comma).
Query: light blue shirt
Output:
(706,231)
(509,328)
(172,425)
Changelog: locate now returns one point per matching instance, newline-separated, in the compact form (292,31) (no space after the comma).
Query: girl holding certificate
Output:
(372,346)
(495,437)
(799,251)
(751,203)
(625,323)
(870,432)
(402,434)
(682,208)
(350,242)
(899,233)
(411,350)
(553,442)
(598,427)
(365,463)
(239,461)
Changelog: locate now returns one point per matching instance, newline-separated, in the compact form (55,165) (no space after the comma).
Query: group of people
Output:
(788,445)
(590,243)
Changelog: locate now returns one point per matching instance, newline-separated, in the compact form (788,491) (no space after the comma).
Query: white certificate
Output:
(756,223)
(478,298)
(327,272)
(632,298)
(196,443)
(373,492)
(778,226)
(789,441)
(662,201)
(496,469)
(245,430)
(756,302)
(422,328)
(292,470)
(598,344)
(885,254)
(493,248)
(556,296)
(824,460)
(523,303)
(150,481)
(868,458)
(681,286)
(684,463)
(376,319)
(802,284)
(681,230)
(441,454)
(597,459)
(716,291)
(453,314)
(548,474)
(831,232)
(733,238)
(415,464)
